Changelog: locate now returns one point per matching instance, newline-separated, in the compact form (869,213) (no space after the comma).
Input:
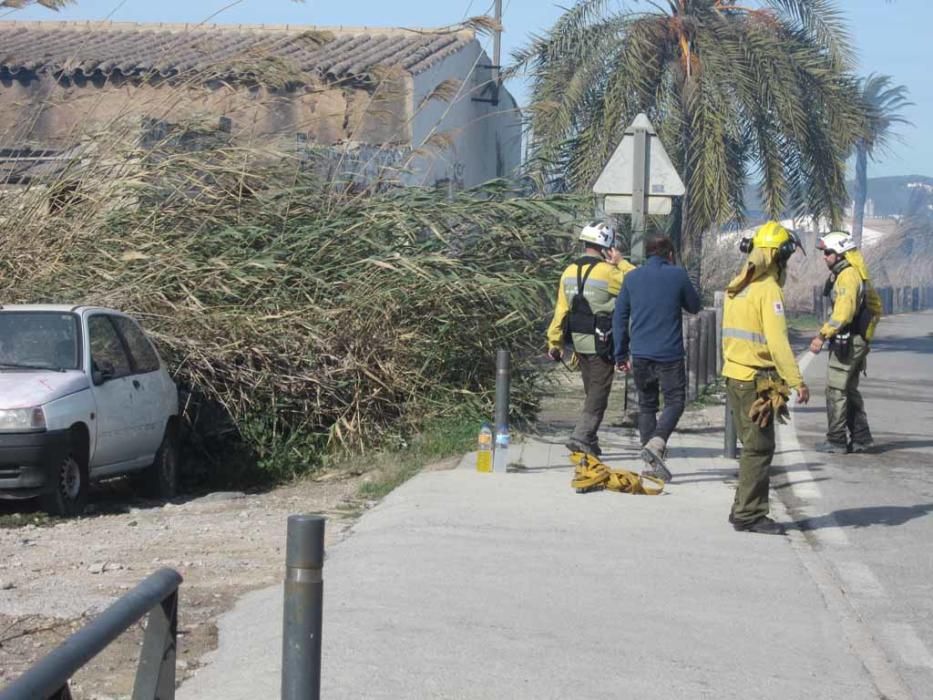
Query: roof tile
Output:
(231,51)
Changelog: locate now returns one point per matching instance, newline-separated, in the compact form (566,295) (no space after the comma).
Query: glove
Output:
(772,401)
(555,354)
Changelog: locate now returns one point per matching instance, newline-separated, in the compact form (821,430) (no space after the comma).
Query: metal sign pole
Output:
(638,194)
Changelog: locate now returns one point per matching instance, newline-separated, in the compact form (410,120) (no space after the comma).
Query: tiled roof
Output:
(88,49)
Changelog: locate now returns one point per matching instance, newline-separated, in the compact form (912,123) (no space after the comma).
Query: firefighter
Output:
(759,367)
(856,311)
(582,319)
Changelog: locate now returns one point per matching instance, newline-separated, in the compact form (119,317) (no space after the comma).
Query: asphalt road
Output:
(869,516)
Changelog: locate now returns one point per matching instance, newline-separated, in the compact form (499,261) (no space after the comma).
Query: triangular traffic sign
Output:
(662,177)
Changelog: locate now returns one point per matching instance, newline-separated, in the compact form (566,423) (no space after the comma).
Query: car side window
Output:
(144,358)
(106,346)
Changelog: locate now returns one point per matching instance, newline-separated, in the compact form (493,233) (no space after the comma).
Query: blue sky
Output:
(892,37)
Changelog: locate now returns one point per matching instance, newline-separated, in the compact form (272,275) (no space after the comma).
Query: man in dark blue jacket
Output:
(648,317)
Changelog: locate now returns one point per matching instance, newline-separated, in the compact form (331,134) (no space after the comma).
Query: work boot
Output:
(575,445)
(653,454)
(858,447)
(831,448)
(763,526)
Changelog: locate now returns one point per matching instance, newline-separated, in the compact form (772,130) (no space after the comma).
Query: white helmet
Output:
(598,234)
(837,242)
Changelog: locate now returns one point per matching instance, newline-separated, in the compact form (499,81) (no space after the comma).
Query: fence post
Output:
(915,299)
(304,596)
(712,367)
(693,356)
(719,299)
(702,352)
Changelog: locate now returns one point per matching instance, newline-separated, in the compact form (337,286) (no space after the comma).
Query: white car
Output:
(83,396)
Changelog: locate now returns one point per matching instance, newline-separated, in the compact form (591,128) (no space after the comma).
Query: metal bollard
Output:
(500,457)
(304,595)
(503,380)
(730,447)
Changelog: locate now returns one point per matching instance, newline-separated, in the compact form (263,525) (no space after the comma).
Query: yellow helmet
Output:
(773,235)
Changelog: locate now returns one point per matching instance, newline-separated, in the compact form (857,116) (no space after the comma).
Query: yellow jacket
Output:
(851,287)
(601,289)
(754,332)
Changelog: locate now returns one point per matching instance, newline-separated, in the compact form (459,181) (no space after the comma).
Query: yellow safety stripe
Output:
(592,475)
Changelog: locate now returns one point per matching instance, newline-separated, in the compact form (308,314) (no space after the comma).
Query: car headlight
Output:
(22,419)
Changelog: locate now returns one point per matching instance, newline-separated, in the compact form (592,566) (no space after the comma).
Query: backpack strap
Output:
(582,278)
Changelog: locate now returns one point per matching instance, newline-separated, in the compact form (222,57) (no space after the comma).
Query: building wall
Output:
(394,126)
(46,113)
(482,141)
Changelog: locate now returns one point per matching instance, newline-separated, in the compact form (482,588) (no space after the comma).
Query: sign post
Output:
(639,180)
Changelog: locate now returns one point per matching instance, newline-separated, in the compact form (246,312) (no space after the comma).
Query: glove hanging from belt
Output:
(773,394)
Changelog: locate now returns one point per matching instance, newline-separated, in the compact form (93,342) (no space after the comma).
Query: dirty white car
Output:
(83,396)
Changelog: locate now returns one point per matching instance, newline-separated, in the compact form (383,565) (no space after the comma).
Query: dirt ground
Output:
(56,574)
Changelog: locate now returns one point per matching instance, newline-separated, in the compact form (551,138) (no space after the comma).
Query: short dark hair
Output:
(659,245)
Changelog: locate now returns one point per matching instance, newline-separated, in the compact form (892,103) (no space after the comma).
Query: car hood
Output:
(27,388)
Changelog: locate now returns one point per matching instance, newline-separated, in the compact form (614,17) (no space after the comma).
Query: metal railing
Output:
(157,596)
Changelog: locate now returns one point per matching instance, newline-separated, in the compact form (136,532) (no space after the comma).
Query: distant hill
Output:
(889,194)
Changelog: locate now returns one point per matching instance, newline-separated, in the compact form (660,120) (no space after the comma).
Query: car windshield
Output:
(38,340)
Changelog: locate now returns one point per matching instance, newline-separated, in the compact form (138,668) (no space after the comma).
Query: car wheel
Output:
(68,498)
(162,476)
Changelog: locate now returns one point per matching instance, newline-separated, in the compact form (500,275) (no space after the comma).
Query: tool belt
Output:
(773,393)
(592,475)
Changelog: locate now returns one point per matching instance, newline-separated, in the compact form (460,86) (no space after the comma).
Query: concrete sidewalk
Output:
(468,585)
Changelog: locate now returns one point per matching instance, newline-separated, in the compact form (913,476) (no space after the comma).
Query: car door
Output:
(149,398)
(114,394)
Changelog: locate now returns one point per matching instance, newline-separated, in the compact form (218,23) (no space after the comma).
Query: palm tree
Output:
(885,100)
(730,90)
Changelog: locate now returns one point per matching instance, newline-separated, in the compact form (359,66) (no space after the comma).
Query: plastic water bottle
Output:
(501,458)
(484,449)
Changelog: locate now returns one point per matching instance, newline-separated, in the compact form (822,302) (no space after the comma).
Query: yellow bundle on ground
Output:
(592,475)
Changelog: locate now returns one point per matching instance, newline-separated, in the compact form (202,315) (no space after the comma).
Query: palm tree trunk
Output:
(861,191)
(690,237)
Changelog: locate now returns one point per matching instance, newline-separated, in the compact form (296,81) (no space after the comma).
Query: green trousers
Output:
(751,497)
(597,383)
(845,408)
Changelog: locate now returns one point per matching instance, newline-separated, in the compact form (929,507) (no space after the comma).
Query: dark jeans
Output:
(650,377)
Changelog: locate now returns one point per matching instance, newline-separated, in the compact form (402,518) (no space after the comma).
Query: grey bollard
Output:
(500,459)
(730,447)
(304,597)
(503,380)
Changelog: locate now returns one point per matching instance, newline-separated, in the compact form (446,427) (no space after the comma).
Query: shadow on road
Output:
(919,344)
(891,446)
(866,517)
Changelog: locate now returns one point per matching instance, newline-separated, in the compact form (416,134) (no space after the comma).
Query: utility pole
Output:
(495,79)
(497,54)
